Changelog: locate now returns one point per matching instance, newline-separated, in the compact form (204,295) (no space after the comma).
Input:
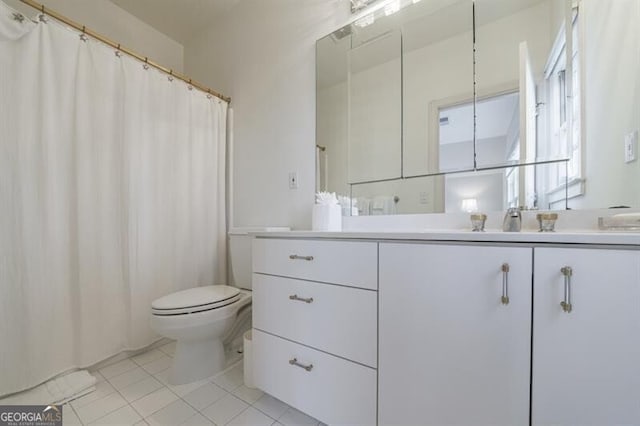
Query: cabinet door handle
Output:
(301,299)
(295,362)
(566,303)
(505,284)
(297,257)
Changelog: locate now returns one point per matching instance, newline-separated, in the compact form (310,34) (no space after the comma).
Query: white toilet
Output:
(200,318)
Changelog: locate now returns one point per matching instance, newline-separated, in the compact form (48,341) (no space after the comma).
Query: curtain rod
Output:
(122,49)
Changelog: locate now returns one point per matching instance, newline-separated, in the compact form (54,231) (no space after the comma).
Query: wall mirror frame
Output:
(460,105)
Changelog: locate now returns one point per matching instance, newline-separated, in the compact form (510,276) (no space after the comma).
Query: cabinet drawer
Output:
(334,391)
(335,319)
(340,262)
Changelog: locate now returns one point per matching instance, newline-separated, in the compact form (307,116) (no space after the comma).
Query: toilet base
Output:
(196,360)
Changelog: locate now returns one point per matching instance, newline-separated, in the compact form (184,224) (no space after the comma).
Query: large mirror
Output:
(409,123)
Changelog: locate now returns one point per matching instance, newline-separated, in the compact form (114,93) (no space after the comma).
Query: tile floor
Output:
(135,391)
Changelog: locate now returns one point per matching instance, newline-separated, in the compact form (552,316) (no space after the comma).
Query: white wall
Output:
(262,54)
(375,121)
(611,49)
(118,25)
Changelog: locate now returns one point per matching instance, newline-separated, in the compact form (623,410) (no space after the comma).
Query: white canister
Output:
(327,217)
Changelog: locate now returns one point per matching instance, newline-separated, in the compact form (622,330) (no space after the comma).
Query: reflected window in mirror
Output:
(497,137)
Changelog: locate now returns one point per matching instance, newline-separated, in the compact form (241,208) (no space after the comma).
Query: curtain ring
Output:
(18,17)
(170,78)
(190,87)
(42,17)
(117,52)
(146,63)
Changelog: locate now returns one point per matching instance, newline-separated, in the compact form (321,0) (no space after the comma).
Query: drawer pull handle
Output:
(505,284)
(297,257)
(566,303)
(301,299)
(297,364)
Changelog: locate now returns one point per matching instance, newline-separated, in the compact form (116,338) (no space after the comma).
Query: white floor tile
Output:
(204,396)
(158,365)
(103,389)
(169,348)
(163,376)
(117,368)
(180,390)
(153,402)
(225,409)
(294,417)
(271,406)
(69,416)
(198,420)
(248,395)
(147,357)
(173,414)
(125,416)
(140,389)
(130,377)
(251,417)
(100,408)
(99,377)
(230,379)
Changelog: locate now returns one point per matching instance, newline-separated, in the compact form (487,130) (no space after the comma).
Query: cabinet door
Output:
(586,362)
(451,353)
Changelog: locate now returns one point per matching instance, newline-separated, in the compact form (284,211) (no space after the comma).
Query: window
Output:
(563,113)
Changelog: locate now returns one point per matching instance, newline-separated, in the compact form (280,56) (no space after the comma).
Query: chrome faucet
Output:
(512,220)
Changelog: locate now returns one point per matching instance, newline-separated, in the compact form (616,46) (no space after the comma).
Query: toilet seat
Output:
(194,300)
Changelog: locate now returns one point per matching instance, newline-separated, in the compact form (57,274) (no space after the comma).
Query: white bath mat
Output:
(55,391)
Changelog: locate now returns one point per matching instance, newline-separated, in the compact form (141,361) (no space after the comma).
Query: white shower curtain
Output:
(111,195)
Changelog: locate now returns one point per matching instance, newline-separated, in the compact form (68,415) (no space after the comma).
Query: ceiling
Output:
(179,19)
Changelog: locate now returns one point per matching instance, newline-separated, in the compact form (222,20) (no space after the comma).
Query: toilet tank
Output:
(240,253)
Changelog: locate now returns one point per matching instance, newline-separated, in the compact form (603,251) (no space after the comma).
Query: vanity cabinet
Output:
(449,332)
(586,359)
(315,312)
(453,348)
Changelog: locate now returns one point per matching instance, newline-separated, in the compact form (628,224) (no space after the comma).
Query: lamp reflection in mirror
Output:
(470,205)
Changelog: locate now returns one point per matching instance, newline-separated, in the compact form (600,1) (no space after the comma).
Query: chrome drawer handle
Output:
(566,303)
(297,364)
(296,257)
(301,299)
(505,284)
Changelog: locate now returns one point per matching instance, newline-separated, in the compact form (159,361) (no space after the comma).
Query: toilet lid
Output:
(196,299)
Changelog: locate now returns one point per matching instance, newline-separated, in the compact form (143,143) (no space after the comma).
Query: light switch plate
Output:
(631,147)
(424,197)
(293,180)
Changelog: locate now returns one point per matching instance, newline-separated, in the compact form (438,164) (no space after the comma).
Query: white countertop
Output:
(571,237)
